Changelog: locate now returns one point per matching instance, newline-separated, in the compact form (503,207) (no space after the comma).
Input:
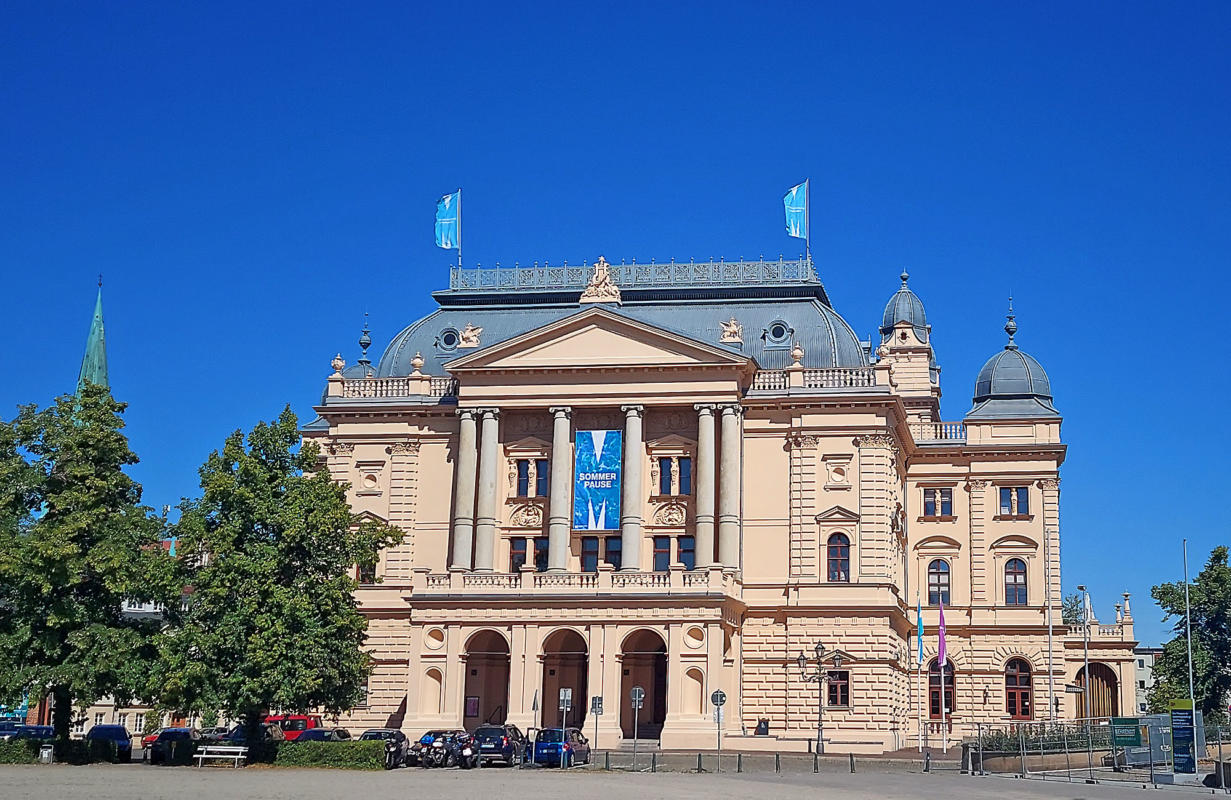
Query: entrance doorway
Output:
(644,664)
(565,665)
(1104,692)
(486,701)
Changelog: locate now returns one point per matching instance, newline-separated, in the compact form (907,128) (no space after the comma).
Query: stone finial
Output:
(338,363)
(469,336)
(797,354)
(416,364)
(1010,327)
(601,288)
(1128,614)
(732,332)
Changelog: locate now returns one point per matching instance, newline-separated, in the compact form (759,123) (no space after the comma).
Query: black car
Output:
(270,732)
(500,743)
(324,735)
(160,751)
(114,733)
(397,746)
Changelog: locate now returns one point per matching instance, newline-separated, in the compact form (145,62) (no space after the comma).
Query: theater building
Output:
(681,477)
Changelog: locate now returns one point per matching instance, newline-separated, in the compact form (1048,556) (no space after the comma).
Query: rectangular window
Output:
(1141,663)
(687,546)
(1023,500)
(839,688)
(664,476)
(366,573)
(937,502)
(540,553)
(1014,501)
(1006,501)
(662,553)
(1141,684)
(540,477)
(523,477)
(123,720)
(685,475)
(517,554)
(98,718)
(589,554)
(614,550)
(79,725)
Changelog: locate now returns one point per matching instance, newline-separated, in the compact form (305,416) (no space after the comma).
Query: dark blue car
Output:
(39,732)
(114,733)
(499,743)
(556,747)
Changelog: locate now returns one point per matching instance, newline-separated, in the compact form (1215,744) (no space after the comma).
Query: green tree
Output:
(1210,600)
(1070,609)
(75,543)
(268,549)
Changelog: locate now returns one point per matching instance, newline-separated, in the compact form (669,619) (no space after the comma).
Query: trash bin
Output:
(47,754)
(762,727)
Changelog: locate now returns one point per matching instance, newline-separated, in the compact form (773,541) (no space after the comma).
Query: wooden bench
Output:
(221,752)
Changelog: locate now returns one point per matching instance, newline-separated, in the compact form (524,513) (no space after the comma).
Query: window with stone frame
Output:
(1015,593)
(613,551)
(686,551)
(1014,502)
(517,553)
(938,582)
(671,468)
(366,573)
(839,689)
(540,553)
(589,554)
(1019,690)
(838,558)
(938,503)
(662,553)
(938,690)
(531,477)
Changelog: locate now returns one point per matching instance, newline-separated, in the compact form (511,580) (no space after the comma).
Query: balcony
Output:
(933,432)
(786,380)
(382,388)
(675,582)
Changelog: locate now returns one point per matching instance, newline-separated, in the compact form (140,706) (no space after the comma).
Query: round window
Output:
(778,332)
(449,339)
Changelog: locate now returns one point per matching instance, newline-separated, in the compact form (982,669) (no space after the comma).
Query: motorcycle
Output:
(437,755)
(393,754)
(464,753)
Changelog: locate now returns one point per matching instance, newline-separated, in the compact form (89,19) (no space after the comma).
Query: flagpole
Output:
(808,218)
(942,661)
(1188,622)
(459,227)
(919,662)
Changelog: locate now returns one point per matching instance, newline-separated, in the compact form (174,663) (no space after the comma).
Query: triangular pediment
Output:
(597,337)
(837,514)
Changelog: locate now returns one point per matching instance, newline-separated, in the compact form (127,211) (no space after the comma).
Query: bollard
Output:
(739,761)
(852,755)
(777,762)
(653,762)
(607,760)
(816,763)
(699,767)
(927,761)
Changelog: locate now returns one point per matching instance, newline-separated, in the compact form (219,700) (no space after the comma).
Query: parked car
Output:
(294,724)
(556,747)
(8,727)
(270,732)
(160,751)
(420,748)
(214,734)
(324,735)
(114,733)
(397,746)
(148,739)
(40,732)
(500,743)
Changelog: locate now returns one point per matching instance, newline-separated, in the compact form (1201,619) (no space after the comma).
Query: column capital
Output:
(705,408)
(630,411)
(733,409)
(467,413)
(561,411)
(494,413)
(1049,483)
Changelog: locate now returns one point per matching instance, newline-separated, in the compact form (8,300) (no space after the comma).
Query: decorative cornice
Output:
(404,448)
(1049,483)
(975,484)
(802,441)
(342,448)
(881,440)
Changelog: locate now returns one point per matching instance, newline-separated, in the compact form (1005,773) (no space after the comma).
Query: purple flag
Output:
(940,655)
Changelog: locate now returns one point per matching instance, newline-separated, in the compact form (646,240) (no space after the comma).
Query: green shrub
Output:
(102,750)
(73,751)
(19,751)
(339,755)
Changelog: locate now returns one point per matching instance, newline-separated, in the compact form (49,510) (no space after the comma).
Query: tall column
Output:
(463,491)
(631,499)
(559,499)
(729,488)
(704,528)
(485,513)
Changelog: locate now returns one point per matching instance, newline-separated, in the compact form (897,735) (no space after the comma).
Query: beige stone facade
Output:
(773,498)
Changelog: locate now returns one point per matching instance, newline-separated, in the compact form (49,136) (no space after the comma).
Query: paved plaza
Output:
(129,782)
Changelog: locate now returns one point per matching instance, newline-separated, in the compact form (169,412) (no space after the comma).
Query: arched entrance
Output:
(487,680)
(1104,692)
(565,665)
(644,664)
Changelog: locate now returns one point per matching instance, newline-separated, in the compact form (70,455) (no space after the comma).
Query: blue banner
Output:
(448,216)
(596,480)
(796,204)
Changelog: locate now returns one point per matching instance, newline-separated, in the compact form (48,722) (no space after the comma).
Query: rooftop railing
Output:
(784,380)
(410,386)
(674,581)
(938,431)
(673,274)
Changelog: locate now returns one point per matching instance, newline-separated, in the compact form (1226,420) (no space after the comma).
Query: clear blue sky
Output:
(250,180)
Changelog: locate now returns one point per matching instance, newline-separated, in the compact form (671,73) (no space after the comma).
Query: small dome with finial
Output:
(1012,383)
(904,306)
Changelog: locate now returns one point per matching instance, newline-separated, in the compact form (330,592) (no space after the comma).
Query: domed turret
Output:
(904,306)
(1012,383)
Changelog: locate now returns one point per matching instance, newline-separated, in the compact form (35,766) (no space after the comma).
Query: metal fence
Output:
(1086,750)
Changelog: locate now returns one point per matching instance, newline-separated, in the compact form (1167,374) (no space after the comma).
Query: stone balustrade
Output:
(938,431)
(1116,631)
(380,388)
(713,580)
(796,377)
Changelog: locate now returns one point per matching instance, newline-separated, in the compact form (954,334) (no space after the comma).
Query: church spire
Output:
(94,362)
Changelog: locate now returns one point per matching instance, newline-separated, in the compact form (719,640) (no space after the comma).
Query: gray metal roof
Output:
(1012,384)
(905,306)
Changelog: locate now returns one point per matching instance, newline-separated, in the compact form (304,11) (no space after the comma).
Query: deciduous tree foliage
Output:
(271,621)
(1210,600)
(75,543)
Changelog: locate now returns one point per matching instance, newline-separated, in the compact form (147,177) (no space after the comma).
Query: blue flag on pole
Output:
(448,215)
(796,203)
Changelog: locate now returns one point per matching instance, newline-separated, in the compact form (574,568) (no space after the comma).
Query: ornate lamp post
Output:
(820,675)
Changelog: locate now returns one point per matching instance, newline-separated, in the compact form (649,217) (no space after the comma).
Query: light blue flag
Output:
(796,203)
(919,633)
(448,218)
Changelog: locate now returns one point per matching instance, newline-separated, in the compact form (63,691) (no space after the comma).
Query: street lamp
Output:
(1085,637)
(820,676)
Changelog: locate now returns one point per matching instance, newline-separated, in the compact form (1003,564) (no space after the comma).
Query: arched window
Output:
(839,558)
(1018,690)
(938,582)
(936,692)
(1015,582)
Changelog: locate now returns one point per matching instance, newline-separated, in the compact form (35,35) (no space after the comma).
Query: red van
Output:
(294,724)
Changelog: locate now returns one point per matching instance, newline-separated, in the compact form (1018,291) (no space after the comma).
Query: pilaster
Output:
(403,501)
(804,546)
(877,454)
(978,541)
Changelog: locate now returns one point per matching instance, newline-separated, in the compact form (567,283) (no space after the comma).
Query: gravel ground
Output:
(138,782)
